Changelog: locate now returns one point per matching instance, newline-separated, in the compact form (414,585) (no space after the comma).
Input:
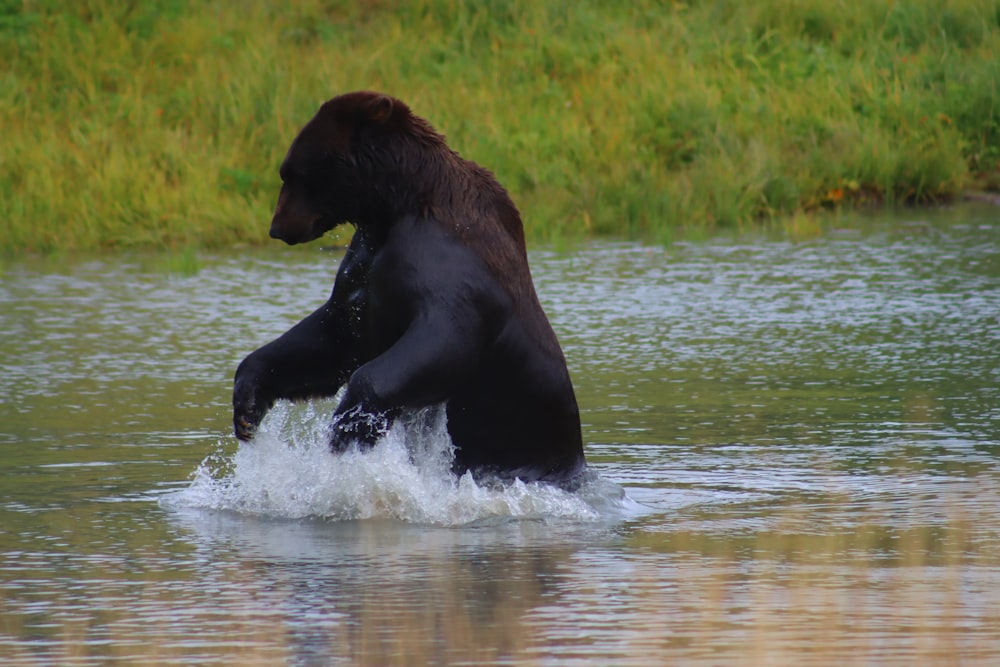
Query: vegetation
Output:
(162,123)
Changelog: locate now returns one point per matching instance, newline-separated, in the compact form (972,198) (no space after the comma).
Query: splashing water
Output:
(287,471)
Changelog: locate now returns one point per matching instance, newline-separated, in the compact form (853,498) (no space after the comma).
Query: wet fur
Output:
(433,302)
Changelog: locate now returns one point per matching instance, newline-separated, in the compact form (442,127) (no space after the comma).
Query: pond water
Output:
(796,445)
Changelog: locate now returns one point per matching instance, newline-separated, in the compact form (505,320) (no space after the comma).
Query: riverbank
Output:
(162,125)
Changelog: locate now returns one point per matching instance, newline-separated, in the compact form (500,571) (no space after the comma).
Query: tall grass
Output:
(162,123)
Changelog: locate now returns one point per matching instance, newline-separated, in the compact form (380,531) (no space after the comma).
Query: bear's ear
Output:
(380,109)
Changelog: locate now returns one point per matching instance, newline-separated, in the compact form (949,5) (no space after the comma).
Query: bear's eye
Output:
(290,174)
(299,178)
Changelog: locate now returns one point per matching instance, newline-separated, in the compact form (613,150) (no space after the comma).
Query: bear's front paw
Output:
(355,426)
(248,411)
(244,426)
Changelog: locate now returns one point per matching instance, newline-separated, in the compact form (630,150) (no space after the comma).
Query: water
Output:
(796,446)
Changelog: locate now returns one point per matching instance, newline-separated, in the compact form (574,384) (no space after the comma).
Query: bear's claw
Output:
(243,428)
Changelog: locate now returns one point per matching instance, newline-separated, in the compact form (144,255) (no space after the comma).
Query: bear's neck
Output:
(456,193)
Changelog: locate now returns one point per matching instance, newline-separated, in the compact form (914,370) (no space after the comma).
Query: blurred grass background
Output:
(161,123)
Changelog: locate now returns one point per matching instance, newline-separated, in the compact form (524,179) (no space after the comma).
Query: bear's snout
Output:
(280,230)
(275,231)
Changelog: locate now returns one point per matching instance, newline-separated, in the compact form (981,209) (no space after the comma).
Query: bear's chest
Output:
(388,302)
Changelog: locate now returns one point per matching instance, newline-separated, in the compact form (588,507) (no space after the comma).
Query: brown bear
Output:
(433,302)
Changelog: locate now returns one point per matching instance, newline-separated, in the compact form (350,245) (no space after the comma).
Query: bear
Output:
(433,302)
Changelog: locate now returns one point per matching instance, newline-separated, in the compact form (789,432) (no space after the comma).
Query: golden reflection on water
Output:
(870,596)
(782,595)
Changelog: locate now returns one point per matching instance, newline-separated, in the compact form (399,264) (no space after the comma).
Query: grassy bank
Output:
(162,123)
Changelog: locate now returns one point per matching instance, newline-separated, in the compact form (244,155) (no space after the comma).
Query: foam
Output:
(288,472)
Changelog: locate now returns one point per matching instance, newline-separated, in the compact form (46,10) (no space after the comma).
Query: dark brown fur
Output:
(433,302)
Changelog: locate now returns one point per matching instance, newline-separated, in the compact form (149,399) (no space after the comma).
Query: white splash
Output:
(288,471)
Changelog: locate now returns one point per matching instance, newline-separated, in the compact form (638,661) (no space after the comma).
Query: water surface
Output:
(806,433)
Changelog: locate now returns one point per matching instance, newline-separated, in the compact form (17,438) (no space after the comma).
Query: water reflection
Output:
(376,592)
(810,431)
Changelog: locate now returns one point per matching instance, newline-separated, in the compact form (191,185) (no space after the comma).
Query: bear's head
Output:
(345,164)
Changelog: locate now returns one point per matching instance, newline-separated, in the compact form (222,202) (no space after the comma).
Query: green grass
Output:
(162,123)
